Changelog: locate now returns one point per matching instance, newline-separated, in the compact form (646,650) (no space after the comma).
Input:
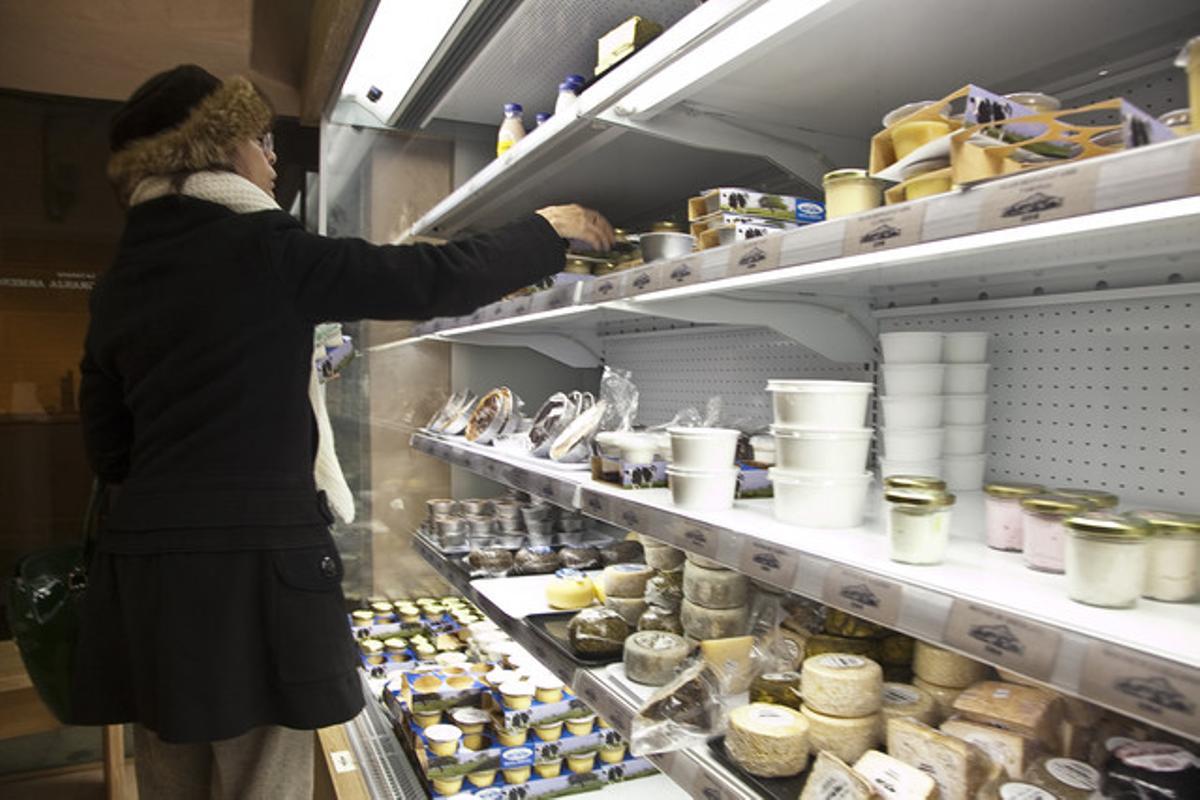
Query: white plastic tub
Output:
(964,473)
(965,347)
(906,380)
(931,468)
(819,404)
(703,448)
(830,452)
(911,347)
(964,440)
(907,412)
(702,490)
(820,501)
(964,409)
(966,378)
(913,444)
(637,448)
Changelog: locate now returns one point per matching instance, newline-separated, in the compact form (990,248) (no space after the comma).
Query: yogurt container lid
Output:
(516,757)
(547,681)
(789,432)
(705,433)
(517,688)
(443,733)
(778,475)
(470,716)
(801,385)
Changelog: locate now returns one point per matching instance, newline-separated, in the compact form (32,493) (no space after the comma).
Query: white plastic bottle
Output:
(566,97)
(512,129)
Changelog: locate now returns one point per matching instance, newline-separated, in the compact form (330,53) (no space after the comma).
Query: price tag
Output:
(754,255)
(1039,197)
(874,598)
(707,788)
(606,289)
(594,504)
(769,562)
(641,280)
(699,538)
(898,226)
(1000,638)
(342,761)
(520,307)
(1145,686)
(681,273)
(510,475)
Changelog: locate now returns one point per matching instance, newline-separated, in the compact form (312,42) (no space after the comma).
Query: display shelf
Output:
(1144,662)
(386,769)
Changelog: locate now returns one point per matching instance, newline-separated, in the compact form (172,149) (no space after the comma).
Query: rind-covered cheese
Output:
(768,740)
(701,561)
(665,590)
(662,556)
(896,650)
(791,647)
(1067,778)
(959,768)
(652,657)
(714,588)
(943,698)
(712,623)
(893,779)
(1006,749)
(845,738)
(626,580)
(730,659)
(821,643)
(1028,710)
(842,685)
(570,589)
(944,668)
(906,700)
(831,779)
(839,623)
(631,608)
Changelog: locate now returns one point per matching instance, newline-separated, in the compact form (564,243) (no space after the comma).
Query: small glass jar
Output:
(849,191)
(926,482)
(1172,556)
(918,525)
(1043,534)
(1096,499)
(1002,509)
(1106,559)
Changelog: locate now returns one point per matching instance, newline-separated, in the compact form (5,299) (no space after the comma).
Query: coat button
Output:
(328,567)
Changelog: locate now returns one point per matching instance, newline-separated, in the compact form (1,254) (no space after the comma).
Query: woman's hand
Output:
(581,224)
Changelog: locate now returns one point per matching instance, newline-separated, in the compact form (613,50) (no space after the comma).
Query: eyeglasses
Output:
(267,143)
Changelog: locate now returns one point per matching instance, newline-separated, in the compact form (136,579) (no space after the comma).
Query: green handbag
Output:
(45,599)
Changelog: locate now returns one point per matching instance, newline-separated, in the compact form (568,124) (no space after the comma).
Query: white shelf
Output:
(1079,649)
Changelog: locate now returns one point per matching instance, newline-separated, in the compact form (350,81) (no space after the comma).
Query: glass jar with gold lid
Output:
(1098,500)
(1045,539)
(927,482)
(918,525)
(1106,558)
(1002,512)
(1172,556)
(849,191)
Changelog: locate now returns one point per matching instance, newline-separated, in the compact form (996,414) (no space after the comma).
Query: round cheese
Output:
(845,737)
(701,561)
(570,589)
(943,698)
(906,700)
(824,643)
(842,685)
(896,650)
(839,623)
(943,668)
(651,657)
(626,580)
(714,588)
(712,623)
(630,608)
(662,556)
(768,740)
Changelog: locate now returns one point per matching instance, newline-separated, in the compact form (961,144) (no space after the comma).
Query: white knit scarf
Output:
(240,195)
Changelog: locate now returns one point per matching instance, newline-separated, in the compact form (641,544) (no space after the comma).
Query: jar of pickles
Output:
(918,525)
(1172,556)
(1042,529)
(1106,558)
(1002,511)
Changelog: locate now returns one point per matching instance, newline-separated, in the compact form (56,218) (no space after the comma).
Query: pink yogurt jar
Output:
(1045,537)
(1002,510)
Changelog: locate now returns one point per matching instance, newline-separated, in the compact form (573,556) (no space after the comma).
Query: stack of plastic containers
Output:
(821,448)
(934,406)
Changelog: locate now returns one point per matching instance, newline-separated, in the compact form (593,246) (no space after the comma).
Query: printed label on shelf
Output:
(754,255)
(1013,643)
(681,273)
(769,562)
(1196,167)
(1039,197)
(867,596)
(594,504)
(605,289)
(1146,686)
(706,787)
(511,475)
(697,537)
(342,761)
(888,229)
(641,280)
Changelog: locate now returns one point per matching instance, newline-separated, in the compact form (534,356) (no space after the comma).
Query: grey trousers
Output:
(269,762)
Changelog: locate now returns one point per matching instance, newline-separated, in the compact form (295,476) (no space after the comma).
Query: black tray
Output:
(552,628)
(778,788)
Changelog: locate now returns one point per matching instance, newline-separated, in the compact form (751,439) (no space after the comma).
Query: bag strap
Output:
(97,502)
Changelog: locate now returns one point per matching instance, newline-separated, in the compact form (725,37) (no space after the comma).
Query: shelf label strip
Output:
(888,229)
(1003,639)
(766,561)
(756,255)
(1147,687)
(1039,198)
(874,598)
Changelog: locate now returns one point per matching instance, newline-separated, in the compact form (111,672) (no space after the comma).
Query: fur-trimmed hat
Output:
(182,120)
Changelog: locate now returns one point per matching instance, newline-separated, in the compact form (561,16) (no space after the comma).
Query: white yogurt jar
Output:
(1172,556)
(1106,559)
(918,525)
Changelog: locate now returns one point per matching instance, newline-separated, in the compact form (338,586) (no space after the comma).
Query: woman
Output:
(215,618)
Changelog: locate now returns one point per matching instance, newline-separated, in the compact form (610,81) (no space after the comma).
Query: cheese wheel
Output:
(626,580)
(767,740)
(892,779)
(712,623)
(824,643)
(701,561)
(943,698)
(906,700)
(570,589)
(959,768)
(839,623)
(651,657)
(714,588)
(630,608)
(842,685)
(1028,710)
(943,668)
(845,737)
(831,779)
(663,557)
(896,650)
(730,660)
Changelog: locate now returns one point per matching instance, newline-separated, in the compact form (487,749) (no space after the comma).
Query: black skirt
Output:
(201,635)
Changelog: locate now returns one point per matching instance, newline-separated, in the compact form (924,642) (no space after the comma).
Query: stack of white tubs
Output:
(934,406)
(821,447)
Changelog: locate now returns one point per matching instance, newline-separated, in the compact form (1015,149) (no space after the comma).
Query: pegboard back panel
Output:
(682,367)
(1103,393)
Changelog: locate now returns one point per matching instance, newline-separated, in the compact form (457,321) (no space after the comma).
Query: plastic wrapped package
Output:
(619,394)
(685,713)
(665,590)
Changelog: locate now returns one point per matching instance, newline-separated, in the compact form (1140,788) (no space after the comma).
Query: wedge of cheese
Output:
(1027,710)
(959,768)
(1007,749)
(831,779)
(893,779)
